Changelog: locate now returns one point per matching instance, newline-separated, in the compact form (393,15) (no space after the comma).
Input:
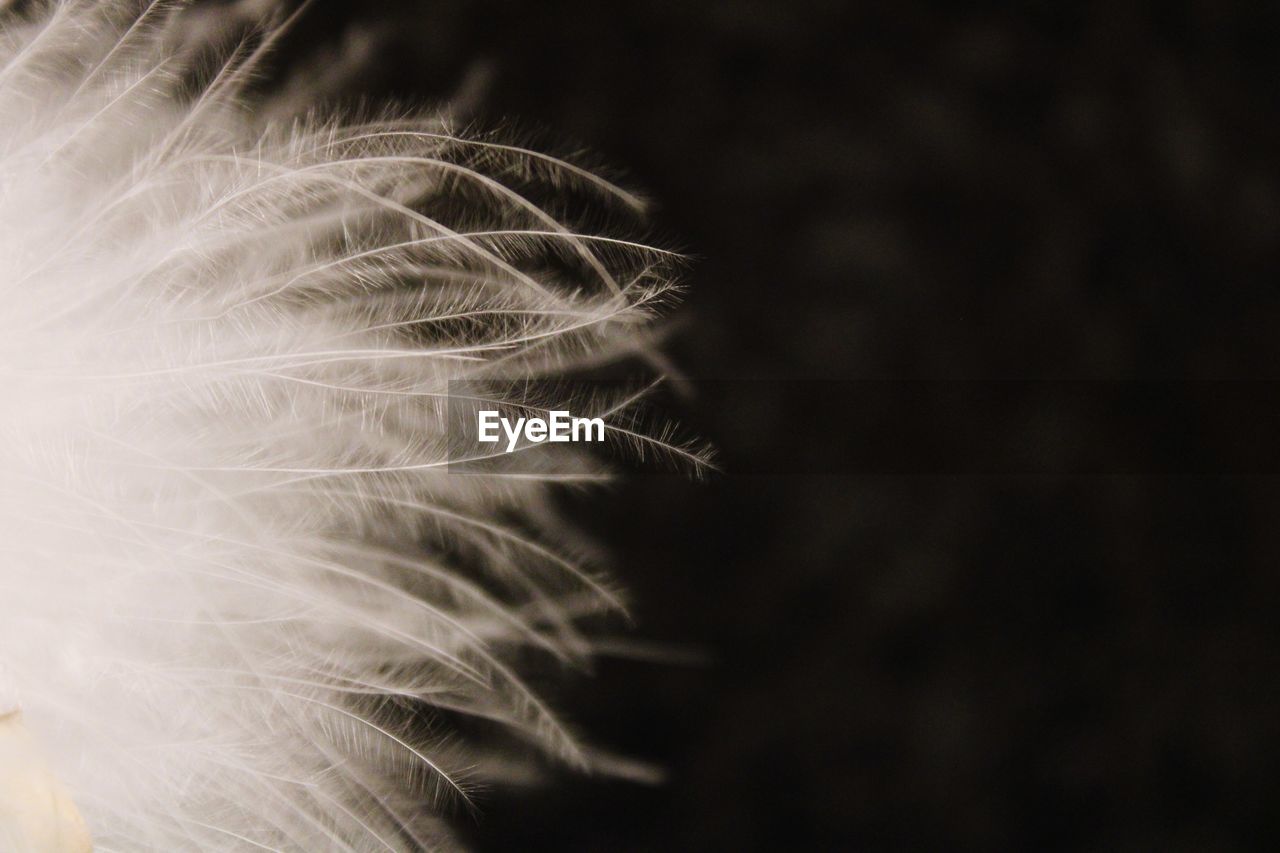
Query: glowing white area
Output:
(238,586)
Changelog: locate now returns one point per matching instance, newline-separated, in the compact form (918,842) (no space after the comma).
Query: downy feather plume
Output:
(247,602)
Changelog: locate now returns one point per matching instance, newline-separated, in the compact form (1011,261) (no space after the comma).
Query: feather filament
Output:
(242,596)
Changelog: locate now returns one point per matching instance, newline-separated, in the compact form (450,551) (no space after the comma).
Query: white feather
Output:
(241,594)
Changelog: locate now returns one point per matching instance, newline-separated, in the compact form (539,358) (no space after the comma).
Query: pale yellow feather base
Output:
(36,814)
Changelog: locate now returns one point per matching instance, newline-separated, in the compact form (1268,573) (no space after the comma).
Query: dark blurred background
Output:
(1062,656)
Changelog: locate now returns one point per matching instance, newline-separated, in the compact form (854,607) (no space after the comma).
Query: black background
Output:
(904,191)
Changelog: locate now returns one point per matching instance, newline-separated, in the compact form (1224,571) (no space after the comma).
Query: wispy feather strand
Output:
(241,592)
